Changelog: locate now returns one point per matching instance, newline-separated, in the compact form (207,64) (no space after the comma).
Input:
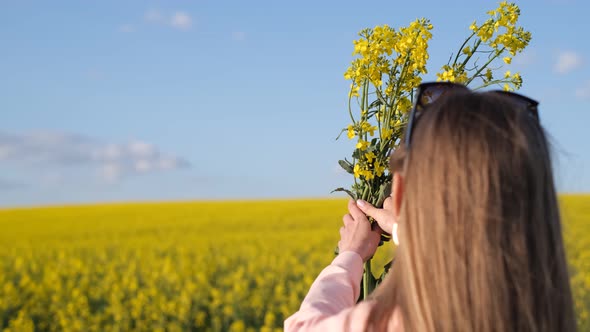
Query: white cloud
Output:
(583,92)
(567,61)
(143,166)
(181,20)
(141,149)
(110,172)
(238,35)
(109,152)
(5,151)
(44,150)
(168,163)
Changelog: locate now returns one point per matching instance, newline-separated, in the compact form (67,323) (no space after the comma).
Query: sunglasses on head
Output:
(429,93)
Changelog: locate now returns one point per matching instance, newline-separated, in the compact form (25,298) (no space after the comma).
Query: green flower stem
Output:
(391,80)
(485,65)
(475,46)
(365,97)
(368,284)
(461,48)
(492,83)
(367,100)
(349,108)
(380,95)
(379,119)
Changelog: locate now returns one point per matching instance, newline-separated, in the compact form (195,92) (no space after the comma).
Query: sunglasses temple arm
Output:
(412,116)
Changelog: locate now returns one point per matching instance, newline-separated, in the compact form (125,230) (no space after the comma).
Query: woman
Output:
(478,226)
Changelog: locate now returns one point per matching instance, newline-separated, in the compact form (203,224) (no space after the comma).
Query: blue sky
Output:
(131,100)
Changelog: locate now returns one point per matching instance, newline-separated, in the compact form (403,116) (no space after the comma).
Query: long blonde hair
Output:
(479,227)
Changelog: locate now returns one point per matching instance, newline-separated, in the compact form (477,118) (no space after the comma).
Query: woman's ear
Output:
(397,193)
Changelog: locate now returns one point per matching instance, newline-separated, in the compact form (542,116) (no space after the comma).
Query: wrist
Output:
(351,255)
(349,250)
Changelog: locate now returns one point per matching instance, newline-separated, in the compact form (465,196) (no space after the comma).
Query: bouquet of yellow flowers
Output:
(388,67)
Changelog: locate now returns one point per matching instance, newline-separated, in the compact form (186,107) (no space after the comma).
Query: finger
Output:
(356,213)
(371,211)
(342,232)
(388,203)
(376,237)
(375,227)
(351,206)
(347,219)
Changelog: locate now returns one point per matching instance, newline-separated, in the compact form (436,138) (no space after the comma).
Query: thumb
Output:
(370,210)
(382,216)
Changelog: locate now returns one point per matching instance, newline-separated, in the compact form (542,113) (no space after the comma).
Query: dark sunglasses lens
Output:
(522,103)
(428,94)
(432,93)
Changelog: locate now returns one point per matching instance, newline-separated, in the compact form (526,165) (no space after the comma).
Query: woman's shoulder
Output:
(358,318)
(395,324)
(355,318)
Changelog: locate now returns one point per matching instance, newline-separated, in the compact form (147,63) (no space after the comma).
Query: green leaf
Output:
(344,190)
(346,165)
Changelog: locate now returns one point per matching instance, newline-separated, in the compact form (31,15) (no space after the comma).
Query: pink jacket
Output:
(330,303)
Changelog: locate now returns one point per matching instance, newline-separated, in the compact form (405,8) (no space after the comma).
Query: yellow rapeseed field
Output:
(205,266)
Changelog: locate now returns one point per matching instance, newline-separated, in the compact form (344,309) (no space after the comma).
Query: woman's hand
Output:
(356,234)
(385,217)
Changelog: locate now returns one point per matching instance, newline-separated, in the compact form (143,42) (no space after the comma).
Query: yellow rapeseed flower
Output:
(386,133)
(362,145)
(357,171)
(354,90)
(368,175)
(379,169)
(447,75)
(516,77)
(367,127)
(489,75)
(350,132)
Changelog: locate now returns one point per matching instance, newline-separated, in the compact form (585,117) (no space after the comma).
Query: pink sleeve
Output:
(330,303)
